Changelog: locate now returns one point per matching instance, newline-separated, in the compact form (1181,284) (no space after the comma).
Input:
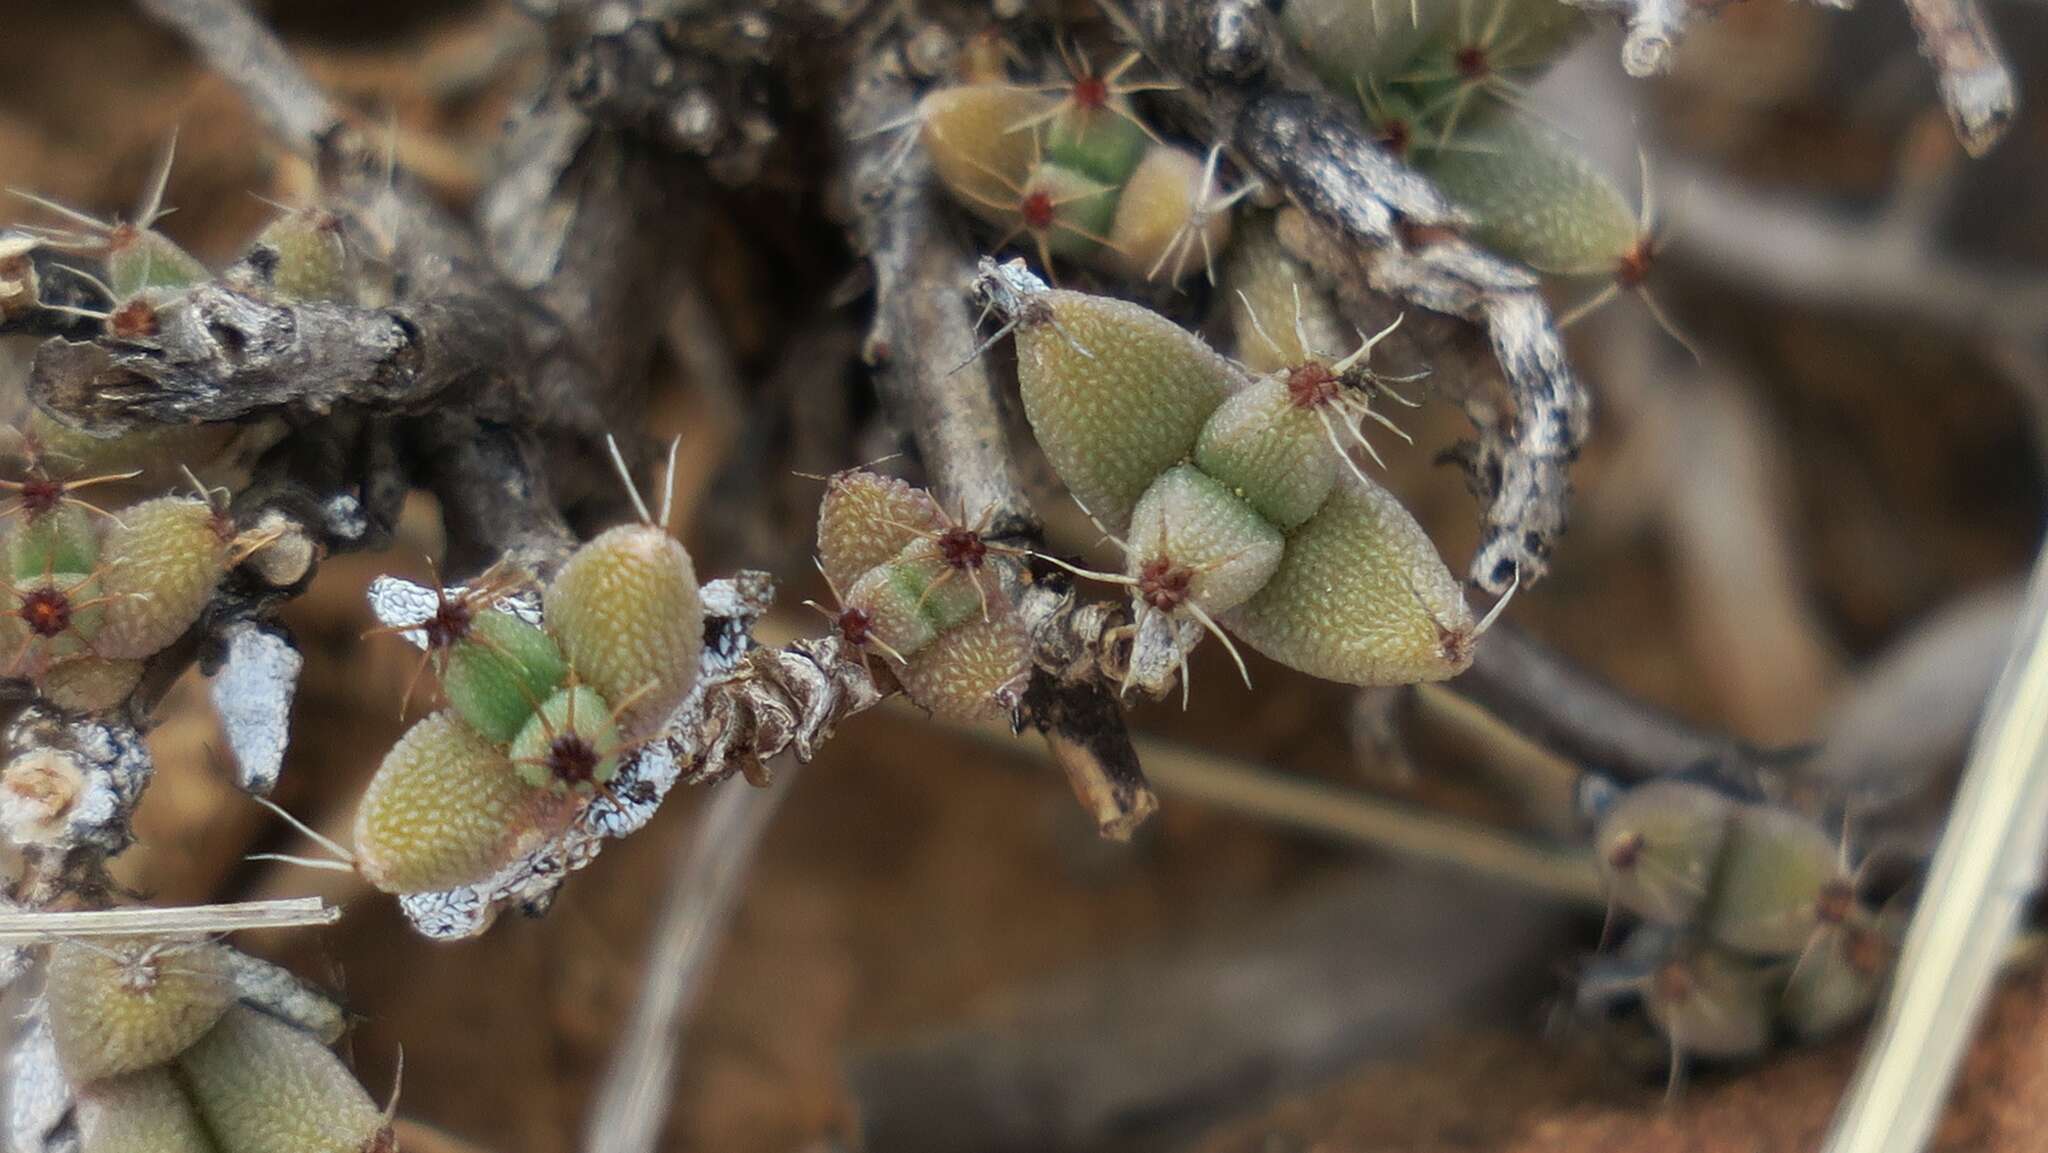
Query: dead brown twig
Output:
(1970,68)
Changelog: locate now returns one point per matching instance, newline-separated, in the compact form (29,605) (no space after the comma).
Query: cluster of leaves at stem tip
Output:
(544,703)
(1751,921)
(100,574)
(1073,168)
(167,1052)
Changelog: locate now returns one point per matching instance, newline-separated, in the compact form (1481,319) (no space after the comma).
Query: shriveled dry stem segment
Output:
(31,926)
(1976,82)
(1970,67)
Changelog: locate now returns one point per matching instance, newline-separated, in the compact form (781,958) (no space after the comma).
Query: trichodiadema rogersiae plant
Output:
(1228,255)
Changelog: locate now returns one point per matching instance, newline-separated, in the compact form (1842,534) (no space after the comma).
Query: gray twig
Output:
(923,344)
(245,53)
(1976,83)
(1559,705)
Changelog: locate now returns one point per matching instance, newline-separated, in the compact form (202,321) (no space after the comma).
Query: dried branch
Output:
(782,699)
(923,344)
(1395,233)
(34,926)
(222,355)
(1560,872)
(495,493)
(237,46)
(1970,68)
(1888,263)
(711,866)
(1555,703)
(463,336)
(1976,83)
(1084,732)
(1655,28)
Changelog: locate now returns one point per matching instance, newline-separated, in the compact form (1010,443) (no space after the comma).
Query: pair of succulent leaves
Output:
(1079,176)
(301,254)
(1442,83)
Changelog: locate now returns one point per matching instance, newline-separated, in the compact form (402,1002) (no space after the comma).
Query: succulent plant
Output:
(89,683)
(163,559)
(1361,597)
(935,607)
(499,671)
(867,518)
(570,744)
(1839,977)
(1537,200)
(304,256)
(1778,879)
(1659,848)
(1711,1003)
(53,536)
(1081,175)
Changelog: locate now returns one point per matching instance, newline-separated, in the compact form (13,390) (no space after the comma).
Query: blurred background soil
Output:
(917,878)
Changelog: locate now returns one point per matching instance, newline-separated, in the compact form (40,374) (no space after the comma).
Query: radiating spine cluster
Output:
(164,1058)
